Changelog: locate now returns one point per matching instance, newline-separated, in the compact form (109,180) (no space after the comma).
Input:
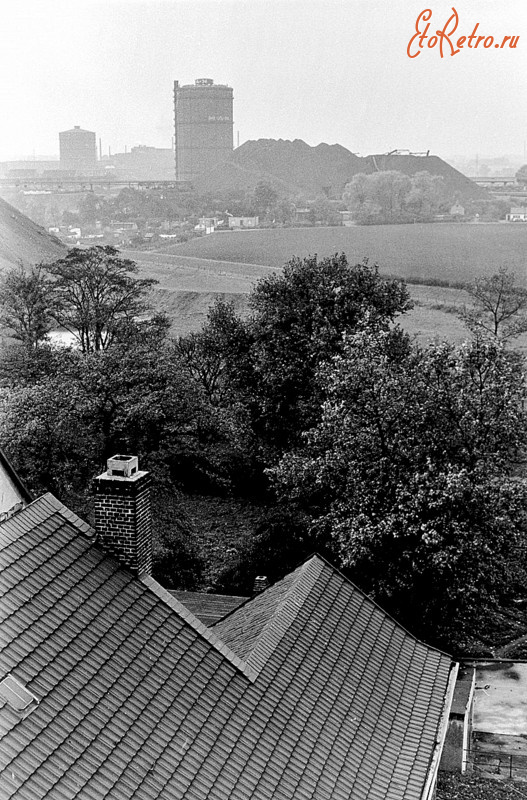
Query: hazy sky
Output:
(318,71)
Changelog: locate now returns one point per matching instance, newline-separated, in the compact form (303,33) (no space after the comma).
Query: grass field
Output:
(229,264)
(446,251)
(187,287)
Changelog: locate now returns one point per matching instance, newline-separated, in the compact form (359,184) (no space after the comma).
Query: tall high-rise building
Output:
(203,127)
(78,150)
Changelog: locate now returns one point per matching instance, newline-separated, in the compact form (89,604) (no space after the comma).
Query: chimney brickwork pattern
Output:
(123,518)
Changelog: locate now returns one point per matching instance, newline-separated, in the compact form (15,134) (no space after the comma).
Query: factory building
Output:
(78,150)
(144,163)
(203,127)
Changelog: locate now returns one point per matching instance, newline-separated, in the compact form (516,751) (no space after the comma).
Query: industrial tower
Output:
(203,127)
(78,150)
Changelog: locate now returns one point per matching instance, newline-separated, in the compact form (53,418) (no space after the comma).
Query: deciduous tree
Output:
(210,354)
(391,196)
(298,322)
(499,306)
(426,194)
(414,474)
(95,293)
(26,305)
(265,198)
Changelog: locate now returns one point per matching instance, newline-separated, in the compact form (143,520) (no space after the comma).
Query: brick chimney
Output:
(261,582)
(122,513)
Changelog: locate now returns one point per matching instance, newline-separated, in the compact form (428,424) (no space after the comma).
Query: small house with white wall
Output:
(517,214)
(243,222)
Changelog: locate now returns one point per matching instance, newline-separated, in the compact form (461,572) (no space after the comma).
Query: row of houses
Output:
(208,225)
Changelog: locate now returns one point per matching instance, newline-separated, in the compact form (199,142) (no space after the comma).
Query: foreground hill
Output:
(23,241)
(187,287)
(294,167)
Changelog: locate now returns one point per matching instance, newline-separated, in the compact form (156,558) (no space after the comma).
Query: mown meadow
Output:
(435,259)
(451,252)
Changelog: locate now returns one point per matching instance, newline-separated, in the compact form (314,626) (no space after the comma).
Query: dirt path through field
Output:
(166,262)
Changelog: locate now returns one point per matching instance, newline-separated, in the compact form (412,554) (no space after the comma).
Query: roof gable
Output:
(256,629)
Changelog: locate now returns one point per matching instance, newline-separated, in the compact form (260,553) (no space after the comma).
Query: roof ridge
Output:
(83,526)
(381,609)
(288,607)
(206,633)
(285,613)
(175,592)
(10,532)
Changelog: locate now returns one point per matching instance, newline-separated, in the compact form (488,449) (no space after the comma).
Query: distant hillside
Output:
(23,241)
(294,167)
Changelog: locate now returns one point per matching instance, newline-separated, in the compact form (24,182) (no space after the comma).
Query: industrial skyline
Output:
(335,72)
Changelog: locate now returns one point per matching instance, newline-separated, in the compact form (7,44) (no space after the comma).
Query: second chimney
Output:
(261,583)
(122,513)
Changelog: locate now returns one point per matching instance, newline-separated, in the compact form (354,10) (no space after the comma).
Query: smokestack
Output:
(100,149)
(122,513)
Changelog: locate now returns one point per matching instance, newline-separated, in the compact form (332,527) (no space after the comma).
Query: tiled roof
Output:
(307,691)
(208,608)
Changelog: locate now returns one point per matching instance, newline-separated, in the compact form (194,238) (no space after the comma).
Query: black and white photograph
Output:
(263,400)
